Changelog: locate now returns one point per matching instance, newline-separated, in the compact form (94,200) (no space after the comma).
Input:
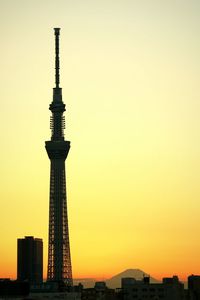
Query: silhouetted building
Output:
(53,290)
(169,289)
(59,261)
(30,260)
(194,287)
(13,289)
(100,286)
(99,292)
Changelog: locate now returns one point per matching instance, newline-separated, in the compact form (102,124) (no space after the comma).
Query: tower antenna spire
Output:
(59,259)
(57,59)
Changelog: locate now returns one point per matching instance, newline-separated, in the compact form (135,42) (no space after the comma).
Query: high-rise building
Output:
(30,260)
(59,261)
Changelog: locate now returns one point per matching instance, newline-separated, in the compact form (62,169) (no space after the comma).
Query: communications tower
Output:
(59,261)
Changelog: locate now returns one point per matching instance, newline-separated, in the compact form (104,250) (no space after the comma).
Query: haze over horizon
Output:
(130,76)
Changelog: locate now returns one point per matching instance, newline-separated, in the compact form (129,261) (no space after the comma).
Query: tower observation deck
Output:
(59,260)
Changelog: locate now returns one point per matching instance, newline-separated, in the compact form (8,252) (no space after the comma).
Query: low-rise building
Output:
(169,289)
(99,292)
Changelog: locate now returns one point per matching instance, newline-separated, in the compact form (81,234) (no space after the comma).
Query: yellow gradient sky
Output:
(130,76)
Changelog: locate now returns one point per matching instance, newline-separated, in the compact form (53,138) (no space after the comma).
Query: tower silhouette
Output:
(59,261)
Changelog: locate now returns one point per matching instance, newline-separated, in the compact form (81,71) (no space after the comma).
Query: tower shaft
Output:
(59,261)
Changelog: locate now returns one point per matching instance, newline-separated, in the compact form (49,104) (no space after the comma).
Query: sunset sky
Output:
(130,73)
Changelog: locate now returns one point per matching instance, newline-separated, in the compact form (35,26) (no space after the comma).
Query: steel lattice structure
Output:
(59,261)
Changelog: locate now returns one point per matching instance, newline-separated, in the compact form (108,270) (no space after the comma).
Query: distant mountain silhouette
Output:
(115,281)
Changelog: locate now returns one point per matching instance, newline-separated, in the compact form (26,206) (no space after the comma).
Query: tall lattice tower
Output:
(59,261)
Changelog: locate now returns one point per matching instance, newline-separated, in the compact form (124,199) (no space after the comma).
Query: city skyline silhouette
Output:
(130,78)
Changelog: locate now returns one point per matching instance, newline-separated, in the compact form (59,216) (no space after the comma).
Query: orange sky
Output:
(130,76)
